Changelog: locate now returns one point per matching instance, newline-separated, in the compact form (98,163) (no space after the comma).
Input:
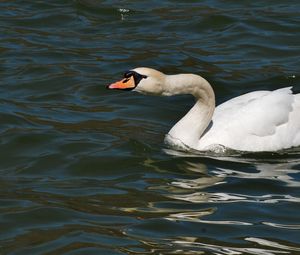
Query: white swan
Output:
(256,121)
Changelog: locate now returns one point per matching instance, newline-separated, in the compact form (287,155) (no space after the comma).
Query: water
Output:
(84,170)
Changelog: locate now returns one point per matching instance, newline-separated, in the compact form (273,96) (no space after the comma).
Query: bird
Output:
(258,121)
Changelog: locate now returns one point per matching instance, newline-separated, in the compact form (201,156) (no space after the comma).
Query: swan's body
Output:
(257,121)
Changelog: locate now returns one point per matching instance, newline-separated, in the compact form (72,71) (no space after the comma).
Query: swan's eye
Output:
(128,74)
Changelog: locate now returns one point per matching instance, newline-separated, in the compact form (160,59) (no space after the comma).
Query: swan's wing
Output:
(264,119)
(262,116)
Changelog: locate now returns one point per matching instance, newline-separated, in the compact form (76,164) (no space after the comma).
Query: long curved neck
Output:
(191,127)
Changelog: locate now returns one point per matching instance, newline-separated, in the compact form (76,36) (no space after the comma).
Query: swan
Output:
(253,122)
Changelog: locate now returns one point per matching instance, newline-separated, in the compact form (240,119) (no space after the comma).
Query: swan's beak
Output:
(125,84)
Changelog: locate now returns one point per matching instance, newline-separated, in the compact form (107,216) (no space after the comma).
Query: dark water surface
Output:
(83,170)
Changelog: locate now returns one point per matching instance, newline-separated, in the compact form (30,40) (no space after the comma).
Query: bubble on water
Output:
(123,12)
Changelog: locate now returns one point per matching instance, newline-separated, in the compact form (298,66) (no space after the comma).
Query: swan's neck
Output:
(191,127)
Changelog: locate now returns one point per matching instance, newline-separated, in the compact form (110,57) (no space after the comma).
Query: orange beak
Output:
(125,84)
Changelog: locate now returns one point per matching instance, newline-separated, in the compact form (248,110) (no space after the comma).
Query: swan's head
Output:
(142,79)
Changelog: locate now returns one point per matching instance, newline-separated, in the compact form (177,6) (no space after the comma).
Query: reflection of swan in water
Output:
(199,206)
(281,169)
(193,190)
(193,187)
(275,172)
(194,198)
